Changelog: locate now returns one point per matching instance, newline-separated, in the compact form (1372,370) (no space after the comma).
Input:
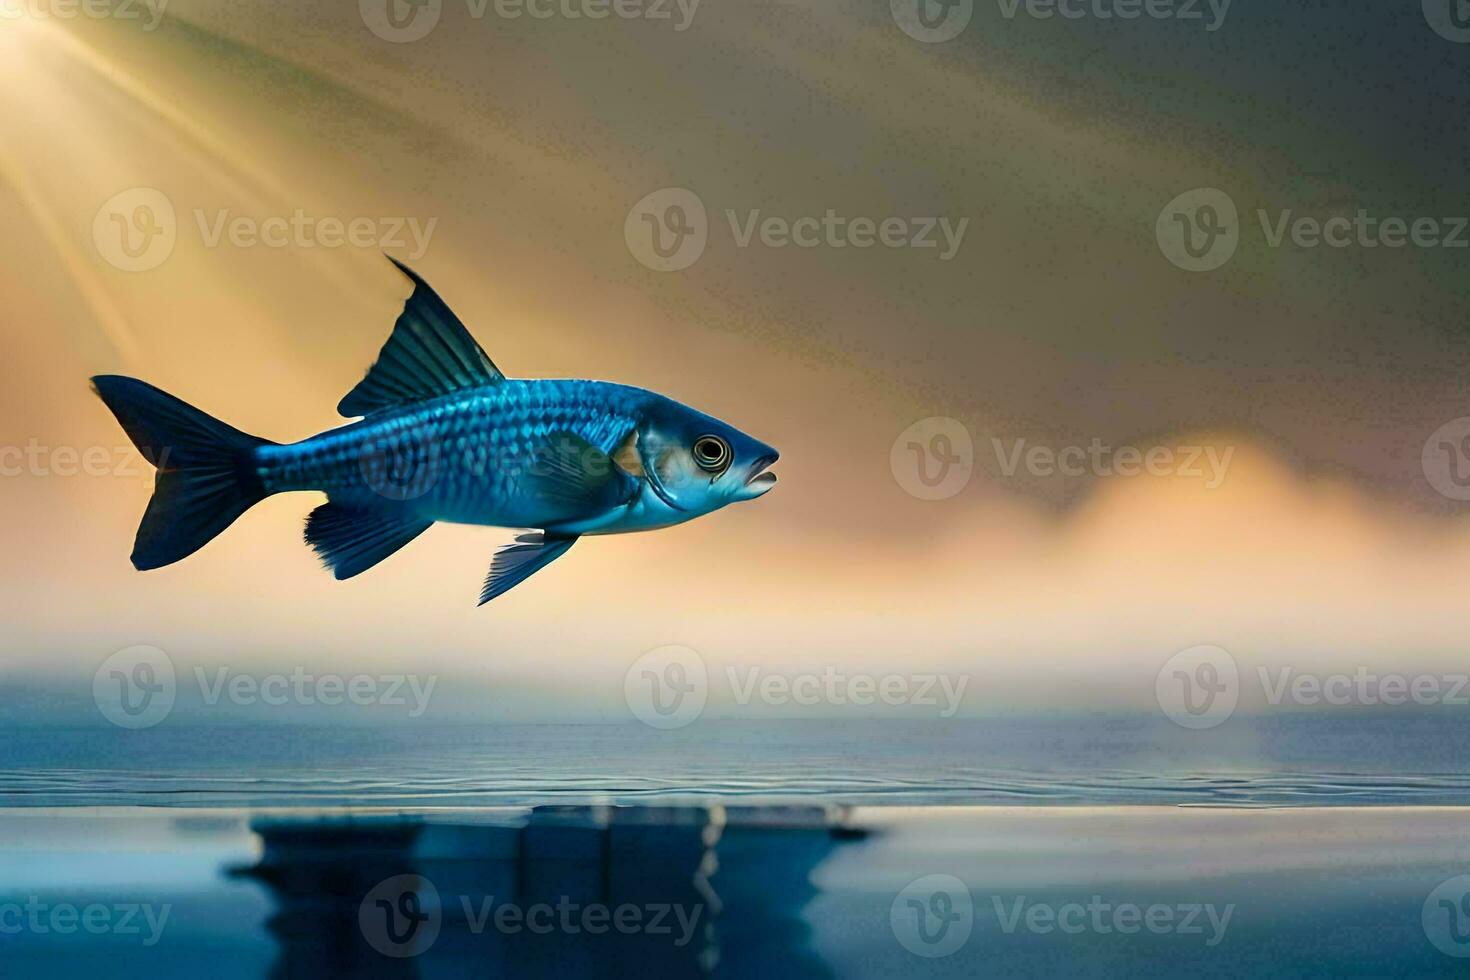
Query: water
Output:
(1283,760)
(1288,845)
(775,894)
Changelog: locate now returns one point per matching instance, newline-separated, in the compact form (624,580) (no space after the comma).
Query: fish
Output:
(442,435)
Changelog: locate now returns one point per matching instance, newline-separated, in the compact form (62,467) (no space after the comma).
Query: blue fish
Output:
(443,436)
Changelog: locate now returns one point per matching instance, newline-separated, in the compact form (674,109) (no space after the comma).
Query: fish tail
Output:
(207,474)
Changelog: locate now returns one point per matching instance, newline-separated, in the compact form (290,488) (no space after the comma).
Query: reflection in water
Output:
(563,891)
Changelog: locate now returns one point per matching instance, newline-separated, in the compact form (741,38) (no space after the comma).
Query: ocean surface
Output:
(1276,846)
(1276,760)
(774,893)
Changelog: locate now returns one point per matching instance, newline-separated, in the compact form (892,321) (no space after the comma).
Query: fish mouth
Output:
(759,481)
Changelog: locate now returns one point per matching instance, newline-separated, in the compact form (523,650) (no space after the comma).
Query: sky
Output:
(1290,514)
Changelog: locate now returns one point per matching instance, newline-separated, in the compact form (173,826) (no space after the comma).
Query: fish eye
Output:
(712,453)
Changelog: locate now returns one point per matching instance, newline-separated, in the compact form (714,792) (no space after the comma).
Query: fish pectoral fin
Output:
(350,540)
(429,353)
(627,456)
(568,470)
(517,562)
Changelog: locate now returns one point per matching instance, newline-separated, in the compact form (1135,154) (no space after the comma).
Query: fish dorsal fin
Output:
(429,353)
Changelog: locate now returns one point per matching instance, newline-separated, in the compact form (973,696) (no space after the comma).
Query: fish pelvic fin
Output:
(429,353)
(206,475)
(350,540)
(517,562)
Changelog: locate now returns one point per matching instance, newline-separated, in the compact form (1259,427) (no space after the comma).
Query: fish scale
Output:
(460,457)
